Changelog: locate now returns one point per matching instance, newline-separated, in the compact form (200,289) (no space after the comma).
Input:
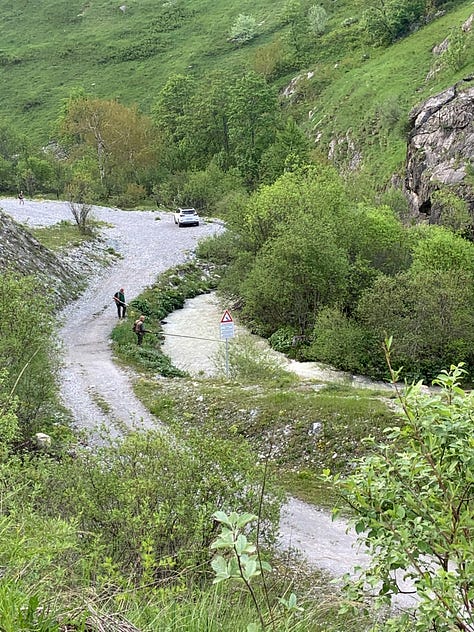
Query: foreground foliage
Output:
(29,351)
(414,507)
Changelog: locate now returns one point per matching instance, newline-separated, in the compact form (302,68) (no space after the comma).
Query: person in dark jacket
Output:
(139,329)
(119,298)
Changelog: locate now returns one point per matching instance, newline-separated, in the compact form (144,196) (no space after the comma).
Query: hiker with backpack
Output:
(119,298)
(139,329)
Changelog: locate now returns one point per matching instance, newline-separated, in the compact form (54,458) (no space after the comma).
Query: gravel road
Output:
(99,392)
(93,387)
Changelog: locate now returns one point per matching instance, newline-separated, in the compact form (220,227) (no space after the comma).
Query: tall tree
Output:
(254,112)
(290,150)
(173,104)
(295,275)
(122,138)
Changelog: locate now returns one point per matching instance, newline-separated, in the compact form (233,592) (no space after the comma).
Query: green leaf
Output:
(219,566)
(250,569)
(222,517)
(244,519)
(240,544)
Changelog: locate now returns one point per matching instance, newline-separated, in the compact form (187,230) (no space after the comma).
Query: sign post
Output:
(227,331)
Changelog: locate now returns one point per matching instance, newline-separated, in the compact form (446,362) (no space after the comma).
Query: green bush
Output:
(282,339)
(151,359)
(414,510)
(317,19)
(131,197)
(144,506)
(37,552)
(385,22)
(218,249)
(205,189)
(243,30)
(29,350)
(428,313)
(344,343)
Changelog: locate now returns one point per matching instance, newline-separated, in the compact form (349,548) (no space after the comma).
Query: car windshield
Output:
(188,211)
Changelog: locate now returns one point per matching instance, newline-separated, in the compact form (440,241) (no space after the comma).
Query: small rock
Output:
(42,440)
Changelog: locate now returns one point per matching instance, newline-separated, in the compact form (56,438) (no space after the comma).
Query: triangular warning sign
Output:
(226,317)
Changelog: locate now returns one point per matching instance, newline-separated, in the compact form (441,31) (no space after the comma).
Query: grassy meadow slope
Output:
(372,96)
(52,46)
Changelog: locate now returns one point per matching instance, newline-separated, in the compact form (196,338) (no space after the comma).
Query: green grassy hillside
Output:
(50,47)
(371,95)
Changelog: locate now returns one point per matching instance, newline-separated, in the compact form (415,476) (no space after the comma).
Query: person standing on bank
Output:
(119,298)
(139,329)
(21,197)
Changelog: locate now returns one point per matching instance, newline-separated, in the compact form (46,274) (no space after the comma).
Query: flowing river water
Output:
(150,243)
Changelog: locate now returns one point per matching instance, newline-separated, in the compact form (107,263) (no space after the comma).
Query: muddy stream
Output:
(99,392)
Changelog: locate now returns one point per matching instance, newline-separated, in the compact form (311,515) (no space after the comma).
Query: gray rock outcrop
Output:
(21,252)
(441,148)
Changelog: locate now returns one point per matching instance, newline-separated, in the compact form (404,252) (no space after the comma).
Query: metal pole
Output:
(227,357)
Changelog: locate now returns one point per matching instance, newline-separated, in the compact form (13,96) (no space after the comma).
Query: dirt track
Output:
(99,392)
(93,387)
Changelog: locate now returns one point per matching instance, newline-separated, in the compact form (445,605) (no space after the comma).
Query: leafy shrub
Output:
(317,19)
(397,201)
(131,197)
(28,350)
(144,505)
(33,551)
(217,249)
(385,22)
(243,30)
(450,211)
(282,339)
(456,54)
(172,15)
(151,359)
(429,314)
(270,59)
(205,189)
(343,343)
(414,509)
(144,49)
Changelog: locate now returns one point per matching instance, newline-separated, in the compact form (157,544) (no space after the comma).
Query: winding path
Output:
(99,392)
(93,387)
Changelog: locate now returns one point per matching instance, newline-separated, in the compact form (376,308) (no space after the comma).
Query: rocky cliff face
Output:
(441,149)
(21,252)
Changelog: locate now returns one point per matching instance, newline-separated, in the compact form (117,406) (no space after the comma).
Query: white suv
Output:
(186,217)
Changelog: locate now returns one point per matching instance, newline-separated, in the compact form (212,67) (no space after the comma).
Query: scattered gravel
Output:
(93,387)
(99,392)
